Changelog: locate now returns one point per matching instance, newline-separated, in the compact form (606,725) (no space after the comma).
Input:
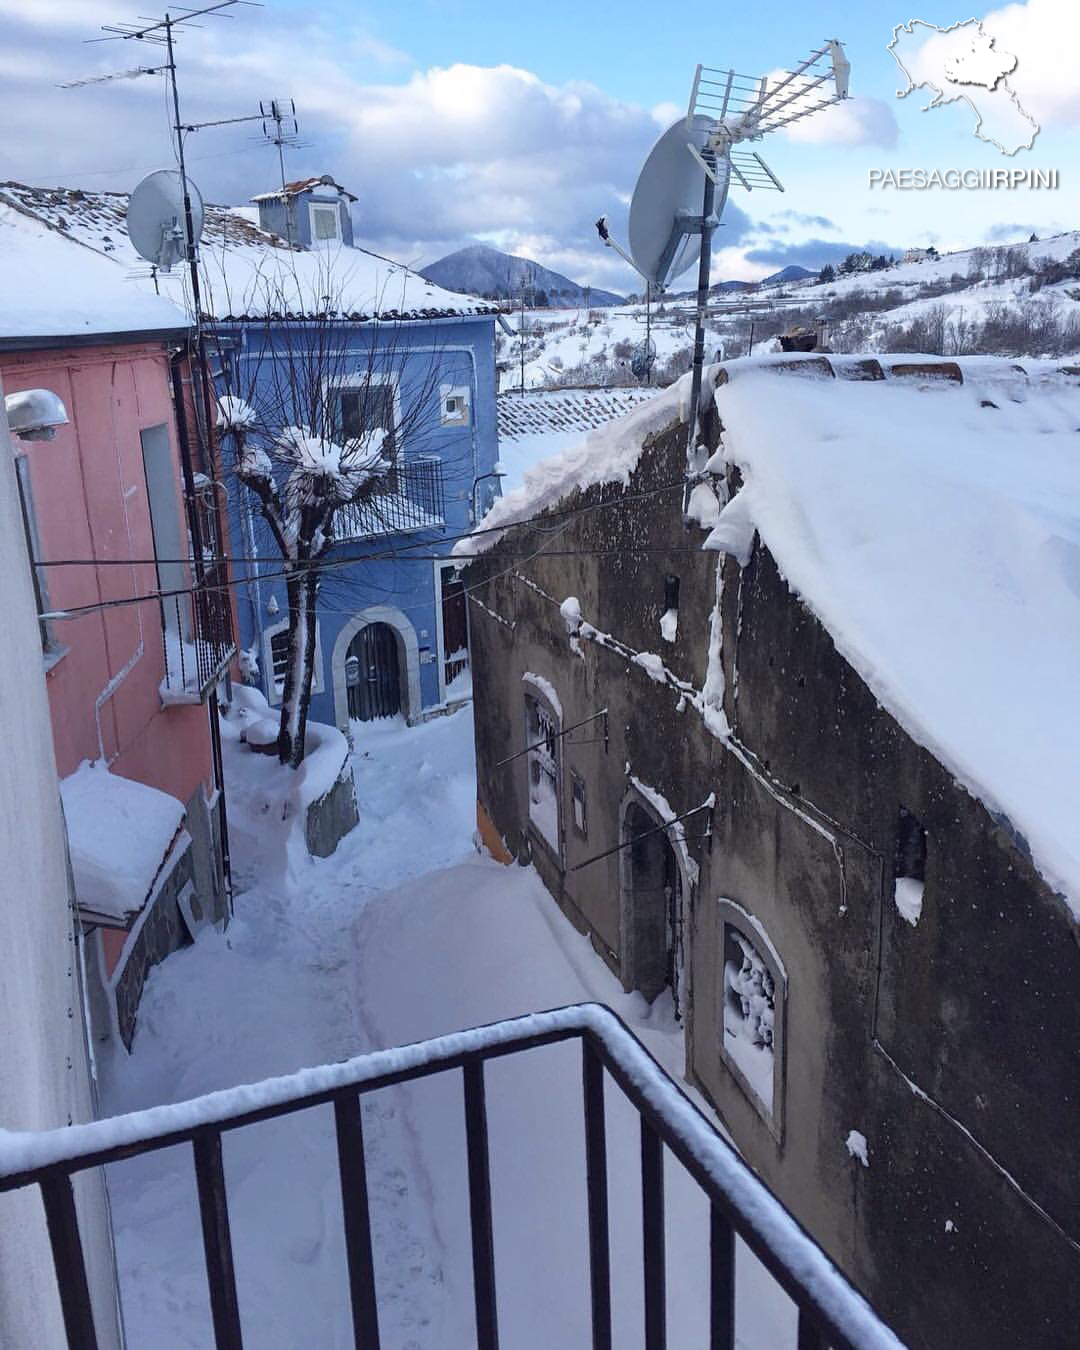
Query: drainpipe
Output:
(184,436)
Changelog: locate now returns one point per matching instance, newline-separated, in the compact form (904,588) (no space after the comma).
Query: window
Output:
(49,647)
(749,1013)
(279,658)
(171,542)
(276,658)
(751,992)
(365,407)
(541,730)
(325,223)
(577,799)
(454,405)
(909,867)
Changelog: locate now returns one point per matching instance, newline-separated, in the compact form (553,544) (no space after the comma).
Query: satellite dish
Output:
(668,198)
(155,217)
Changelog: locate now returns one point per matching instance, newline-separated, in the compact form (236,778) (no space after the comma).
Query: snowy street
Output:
(404,933)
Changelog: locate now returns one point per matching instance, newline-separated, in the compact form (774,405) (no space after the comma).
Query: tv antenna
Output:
(698,160)
(160,32)
(280,127)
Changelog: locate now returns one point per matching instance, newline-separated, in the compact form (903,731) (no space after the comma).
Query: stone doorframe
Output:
(628,957)
(409,651)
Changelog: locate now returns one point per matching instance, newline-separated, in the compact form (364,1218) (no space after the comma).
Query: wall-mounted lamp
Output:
(34,414)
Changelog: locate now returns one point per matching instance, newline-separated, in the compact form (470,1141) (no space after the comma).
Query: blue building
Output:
(392,633)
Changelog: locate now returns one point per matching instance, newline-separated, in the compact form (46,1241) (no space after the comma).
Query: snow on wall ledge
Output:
(932,524)
(119,832)
(608,454)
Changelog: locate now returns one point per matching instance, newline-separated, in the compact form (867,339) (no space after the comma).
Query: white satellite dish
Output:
(155,217)
(665,211)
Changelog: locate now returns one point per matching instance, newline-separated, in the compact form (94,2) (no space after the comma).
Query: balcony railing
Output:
(831,1312)
(197,639)
(412,500)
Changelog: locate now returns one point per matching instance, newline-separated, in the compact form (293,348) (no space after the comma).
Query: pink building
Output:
(107,519)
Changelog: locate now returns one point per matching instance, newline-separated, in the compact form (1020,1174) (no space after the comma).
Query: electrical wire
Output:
(400,551)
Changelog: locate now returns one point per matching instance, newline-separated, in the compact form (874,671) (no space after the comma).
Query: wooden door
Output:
(373,673)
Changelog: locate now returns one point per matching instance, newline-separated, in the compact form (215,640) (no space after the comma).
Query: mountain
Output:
(790,273)
(481,270)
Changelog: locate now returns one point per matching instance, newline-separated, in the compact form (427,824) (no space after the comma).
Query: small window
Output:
(751,992)
(909,867)
(367,407)
(577,797)
(325,223)
(279,658)
(543,762)
(276,659)
(49,647)
(455,406)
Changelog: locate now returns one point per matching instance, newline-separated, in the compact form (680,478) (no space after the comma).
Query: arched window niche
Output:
(656,878)
(749,1009)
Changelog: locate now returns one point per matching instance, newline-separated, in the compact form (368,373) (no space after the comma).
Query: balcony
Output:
(413,500)
(197,639)
(830,1311)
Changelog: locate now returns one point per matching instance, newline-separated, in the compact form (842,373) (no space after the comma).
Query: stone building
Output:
(814,782)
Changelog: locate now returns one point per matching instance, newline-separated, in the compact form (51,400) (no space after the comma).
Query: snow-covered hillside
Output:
(1016,300)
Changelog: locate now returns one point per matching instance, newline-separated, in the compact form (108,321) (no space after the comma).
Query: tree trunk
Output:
(303,587)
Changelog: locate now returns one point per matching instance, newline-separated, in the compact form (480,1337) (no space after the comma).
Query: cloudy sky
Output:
(519,125)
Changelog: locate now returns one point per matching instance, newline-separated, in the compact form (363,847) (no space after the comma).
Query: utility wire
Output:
(398,551)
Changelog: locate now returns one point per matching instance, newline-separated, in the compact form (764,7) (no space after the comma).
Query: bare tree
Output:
(318,423)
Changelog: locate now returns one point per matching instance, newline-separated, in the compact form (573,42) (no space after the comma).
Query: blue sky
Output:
(520,124)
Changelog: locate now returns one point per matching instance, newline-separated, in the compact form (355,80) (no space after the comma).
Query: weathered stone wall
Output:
(161,930)
(950,1045)
(331,817)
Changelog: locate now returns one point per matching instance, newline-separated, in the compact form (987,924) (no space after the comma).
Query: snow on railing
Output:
(831,1312)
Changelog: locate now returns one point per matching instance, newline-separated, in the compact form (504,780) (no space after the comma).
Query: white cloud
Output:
(1045,36)
(855,121)
(663,114)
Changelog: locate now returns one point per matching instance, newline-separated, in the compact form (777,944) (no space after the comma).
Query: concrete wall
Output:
(45,1078)
(949,1045)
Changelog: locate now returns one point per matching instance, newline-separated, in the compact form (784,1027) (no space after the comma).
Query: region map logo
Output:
(961,62)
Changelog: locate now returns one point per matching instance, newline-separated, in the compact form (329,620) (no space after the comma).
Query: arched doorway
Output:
(373,673)
(651,904)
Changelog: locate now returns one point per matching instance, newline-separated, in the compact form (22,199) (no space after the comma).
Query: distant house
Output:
(309,213)
(392,631)
(917,255)
(106,519)
(816,793)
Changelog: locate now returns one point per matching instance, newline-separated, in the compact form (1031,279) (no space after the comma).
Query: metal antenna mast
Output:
(275,111)
(160,33)
(666,232)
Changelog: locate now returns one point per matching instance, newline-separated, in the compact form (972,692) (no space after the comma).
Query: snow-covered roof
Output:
(933,526)
(928,512)
(302,185)
(248,272)
(119,833)
(538,411)
(56,287)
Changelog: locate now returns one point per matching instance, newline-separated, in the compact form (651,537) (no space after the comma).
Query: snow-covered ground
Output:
(406,932)
(593,346)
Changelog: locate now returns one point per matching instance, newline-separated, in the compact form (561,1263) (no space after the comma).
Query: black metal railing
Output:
(197,639)
(410,497)
(830,1311)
